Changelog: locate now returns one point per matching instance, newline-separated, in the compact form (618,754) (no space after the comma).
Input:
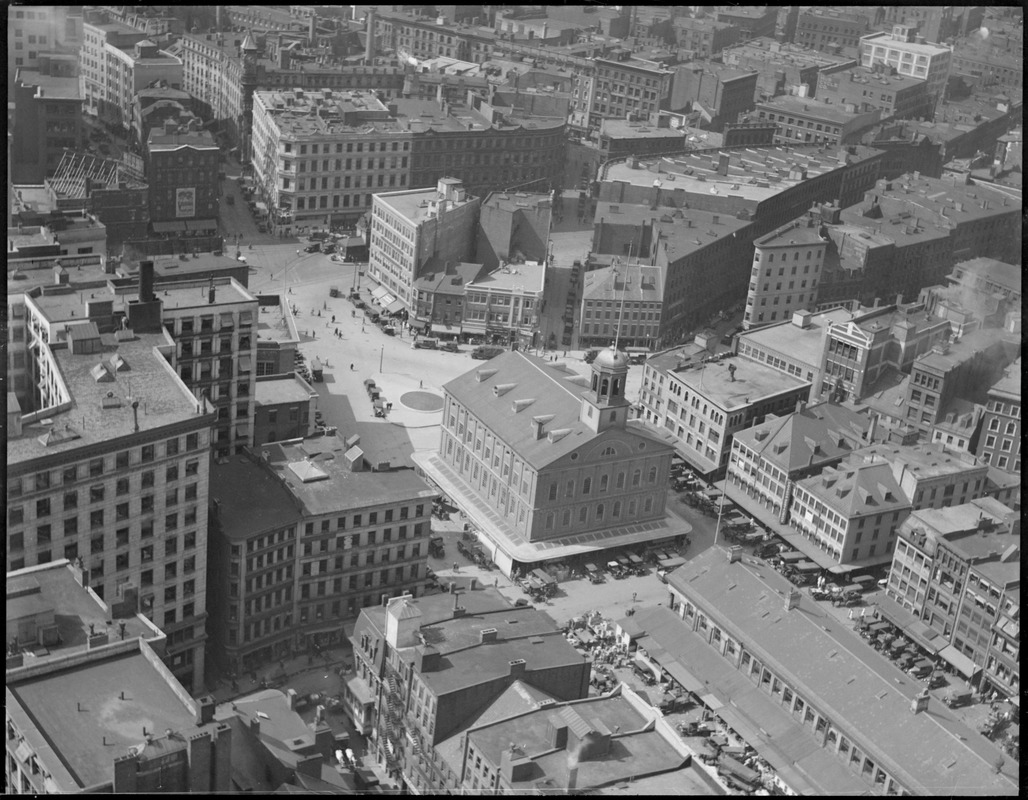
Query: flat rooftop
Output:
(524,277)
(163,399)
(752,381)
(195,294)
(250,499)
(809,107)
(844,679)
(885,39)
(52,587)
(756,173)
(776,54)
(1009,276)
(50,87)
(623,129)
(408,203)
(70,306)
(794,233)
(1010,383)
(925,459)
(81,716)
(287,389)
(644,284)
(514,201)
(317,475)
(275,324)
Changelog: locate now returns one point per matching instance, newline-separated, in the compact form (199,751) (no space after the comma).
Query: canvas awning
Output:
(542,576)
(671,563)
(379,292)
(244,363)
(169,227)
(395,307)
(684,678)
(448,329)
(964,665)
(417,325)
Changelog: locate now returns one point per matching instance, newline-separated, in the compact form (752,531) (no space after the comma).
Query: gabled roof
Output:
(491,393)
(857,490)
(825,432)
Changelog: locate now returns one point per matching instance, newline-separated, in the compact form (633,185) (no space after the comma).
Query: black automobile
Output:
(313,247)
(485,352)
(328,249)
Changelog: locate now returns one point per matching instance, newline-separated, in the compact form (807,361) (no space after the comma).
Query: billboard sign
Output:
(185,202)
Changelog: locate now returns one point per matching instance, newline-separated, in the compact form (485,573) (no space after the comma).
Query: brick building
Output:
(120,486)
(303,536)
(803,121)
(513,227)
(424,666)
(47,118)
(776,292)
(831,31)
(954,569)
(1000,442)
(720,94)
(182,173)
(895,96)
(909,53)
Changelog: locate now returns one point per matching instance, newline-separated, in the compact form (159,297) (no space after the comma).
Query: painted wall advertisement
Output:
(185,202)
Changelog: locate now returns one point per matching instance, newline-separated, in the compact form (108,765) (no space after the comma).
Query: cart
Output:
(317,371)
(333,291)
(435,547)
(593,573)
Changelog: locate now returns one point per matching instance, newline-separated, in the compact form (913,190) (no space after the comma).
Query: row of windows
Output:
(97,467)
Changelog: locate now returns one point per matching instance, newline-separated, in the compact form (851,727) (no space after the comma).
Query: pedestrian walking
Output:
(351,367)
(333,319)
(421,384)
(298,252)
(634,594)
(455,567)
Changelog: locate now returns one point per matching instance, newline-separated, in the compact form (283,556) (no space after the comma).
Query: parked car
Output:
(484,352)
(230,199)
(313,247)
(328,248)
(450,347)
(426,343)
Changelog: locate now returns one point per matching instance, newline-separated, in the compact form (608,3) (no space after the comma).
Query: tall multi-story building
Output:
(627,88)
(115,62)
(513,227)
(990,71)
(319,157)
(491,144)
(417,231)
(503,305)
(303,538)
(909,53)
(212,327)
(47,118)
(720,94)
(832,31)
(703,404)
(768,459)
(895,96)
(793,346)
(953,370)
(786,270)
(909,232)
(731,632)
(622,302)
(859,349)
(953,570)
(182,171)
(425,667)
(556,459)
(1002,673)
(39,31)
(108,466)
(1000,441)
(69,647)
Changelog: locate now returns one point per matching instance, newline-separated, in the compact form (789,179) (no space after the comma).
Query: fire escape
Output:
(399,739)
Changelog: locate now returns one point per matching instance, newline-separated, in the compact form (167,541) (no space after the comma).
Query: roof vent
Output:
(557,435)
(484,374)
(520,405)
(501,389)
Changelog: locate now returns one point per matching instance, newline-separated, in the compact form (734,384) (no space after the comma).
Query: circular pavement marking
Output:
(422,401)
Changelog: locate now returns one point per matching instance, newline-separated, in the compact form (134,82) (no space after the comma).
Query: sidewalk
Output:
(283,674)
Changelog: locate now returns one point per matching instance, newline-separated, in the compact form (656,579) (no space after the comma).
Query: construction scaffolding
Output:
(69,180)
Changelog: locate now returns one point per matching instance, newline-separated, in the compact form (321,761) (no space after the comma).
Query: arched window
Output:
(587,486)
(553,491)
(621,480)
(605,386)
(569,490)
(653,475)
(595,381)
(617,509)
(616,388)
(637,477)
(549,521)
(631,508)
(583,513)
(648,507)
(599,511)
(567,517)
(604,481)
